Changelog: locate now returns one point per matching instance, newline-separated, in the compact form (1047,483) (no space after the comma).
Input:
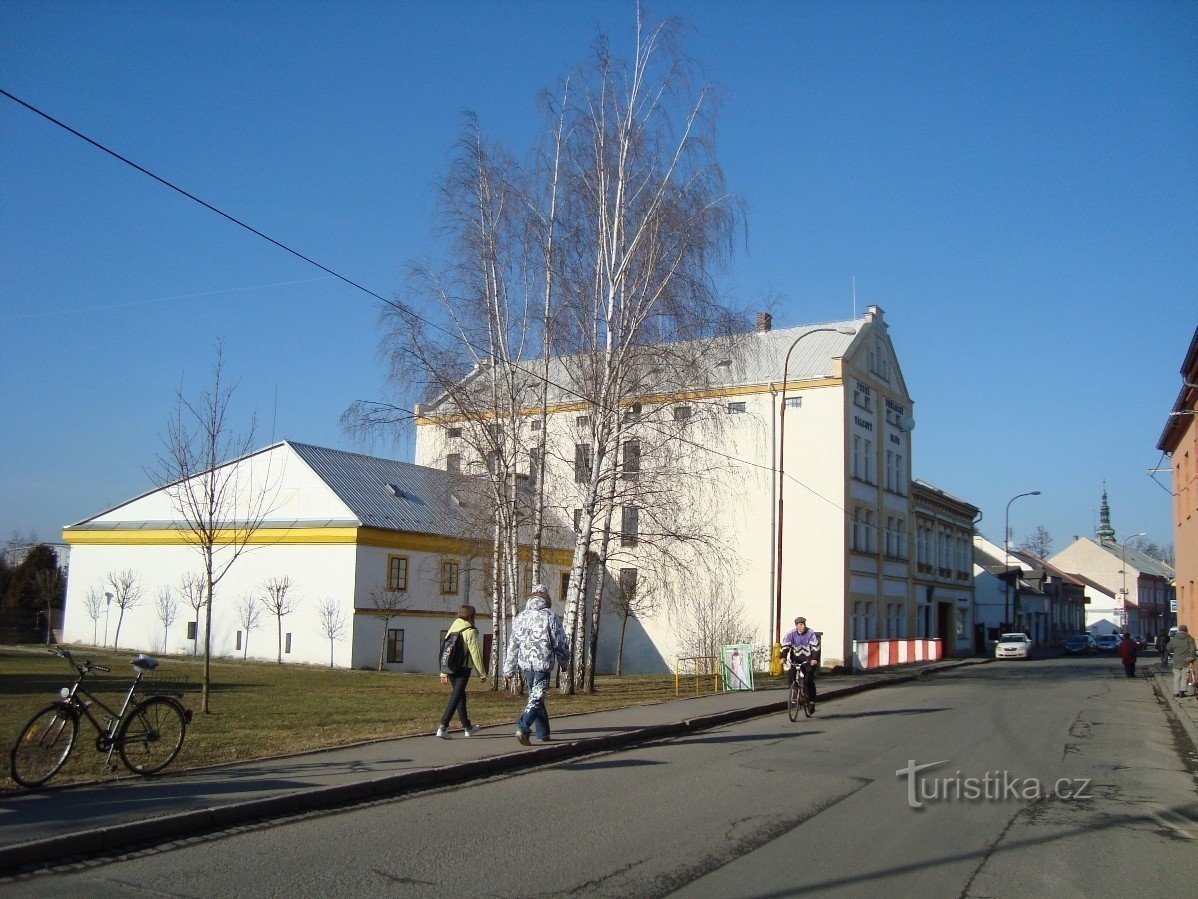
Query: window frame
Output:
(396,584)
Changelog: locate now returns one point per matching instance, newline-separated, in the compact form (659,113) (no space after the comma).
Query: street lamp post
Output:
(1123,612)
(107,607)
(1006,540)
(775,660)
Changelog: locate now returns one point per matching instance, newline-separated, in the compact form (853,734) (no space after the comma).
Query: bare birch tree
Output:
(191,588)
(249,616)
(331,620)
(93,604)
(221,503)
(126,594)
(387,604)
(167,606)
(1038,543)
(279,601)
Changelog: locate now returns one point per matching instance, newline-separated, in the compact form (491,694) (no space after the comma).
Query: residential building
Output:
(845,509)
(394,547)
(1057,607)
(1180,441)
(1141,585)
(1008,596)
(943,576)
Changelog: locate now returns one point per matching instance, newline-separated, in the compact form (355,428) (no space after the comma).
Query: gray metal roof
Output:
(1141,562)
(397,496)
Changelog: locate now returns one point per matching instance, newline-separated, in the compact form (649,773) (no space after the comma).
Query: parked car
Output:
(1108,643)
(1081,643)
(1013,646)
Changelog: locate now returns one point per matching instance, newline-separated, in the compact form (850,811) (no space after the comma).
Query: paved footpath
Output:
(57,825)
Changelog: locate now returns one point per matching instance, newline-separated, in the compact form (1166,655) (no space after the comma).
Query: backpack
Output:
(453,652)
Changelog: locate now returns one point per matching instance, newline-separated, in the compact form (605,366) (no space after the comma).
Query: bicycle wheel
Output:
(43,746)
(792,702)
(151,735)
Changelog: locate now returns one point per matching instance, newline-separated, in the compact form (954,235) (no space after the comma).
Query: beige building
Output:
(844,441)
(943,577)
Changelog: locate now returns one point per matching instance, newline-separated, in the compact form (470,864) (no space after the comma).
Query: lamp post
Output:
(775,659)
(1006,540)
(107,606)
(1123,612)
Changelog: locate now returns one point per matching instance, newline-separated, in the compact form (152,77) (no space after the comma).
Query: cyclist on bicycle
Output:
(800,648)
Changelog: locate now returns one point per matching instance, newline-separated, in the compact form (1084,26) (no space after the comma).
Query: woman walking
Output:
(469,657)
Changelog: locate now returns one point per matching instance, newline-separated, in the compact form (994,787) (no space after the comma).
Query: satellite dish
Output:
(907,423)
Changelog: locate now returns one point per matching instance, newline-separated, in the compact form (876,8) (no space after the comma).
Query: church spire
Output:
(1105,533)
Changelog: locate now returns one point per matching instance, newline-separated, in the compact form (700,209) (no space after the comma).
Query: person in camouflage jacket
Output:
(537,638)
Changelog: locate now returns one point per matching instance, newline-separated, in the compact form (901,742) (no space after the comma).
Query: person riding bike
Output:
(800,647)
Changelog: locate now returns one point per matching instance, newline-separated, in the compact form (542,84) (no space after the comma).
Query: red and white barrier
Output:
(883,653)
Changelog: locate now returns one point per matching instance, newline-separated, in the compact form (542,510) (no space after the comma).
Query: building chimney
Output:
(765,321)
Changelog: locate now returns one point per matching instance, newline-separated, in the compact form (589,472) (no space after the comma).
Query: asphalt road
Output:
(1054,776)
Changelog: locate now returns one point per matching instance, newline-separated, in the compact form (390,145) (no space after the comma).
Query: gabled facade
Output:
(1141,585)
(846,446)
(1057,607)
(342,526)
(1180,441)
(1008,595)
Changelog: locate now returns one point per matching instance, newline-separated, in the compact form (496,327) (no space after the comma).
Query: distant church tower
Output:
(1105,533)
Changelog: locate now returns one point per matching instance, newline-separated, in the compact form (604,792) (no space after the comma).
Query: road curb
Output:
(24,857)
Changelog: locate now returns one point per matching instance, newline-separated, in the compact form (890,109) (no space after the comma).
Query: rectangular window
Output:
(583,459)
(454,432)
(534,467)
(633,412)
(453,462)
(287,643)
(394,645)
(397,573)
(238,646)
(630,517)
(632,459)
(863,396)
(191,630)
(450,571)
(794,402)
(565,585)
(628,585)
(583,421)
(682,413)
(536,424)
(736,408)
(578,521)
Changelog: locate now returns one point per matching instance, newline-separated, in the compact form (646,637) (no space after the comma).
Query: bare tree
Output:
(191,586)
(1154,550)
(387,604)
(331,620)
(249,616)
(221,498)
(631,600)
(1038,543)
(278,599)
(126,593)
(93,604)
(48,586)
(167,607)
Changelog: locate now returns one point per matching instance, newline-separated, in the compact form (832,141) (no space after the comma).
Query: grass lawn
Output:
(261,709)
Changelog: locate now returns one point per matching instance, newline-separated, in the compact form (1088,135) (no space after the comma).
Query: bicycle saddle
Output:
(143,662)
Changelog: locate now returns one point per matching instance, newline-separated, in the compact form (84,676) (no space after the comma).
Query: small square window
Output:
(736,408)
(794,402)
(454,432)
(682,413)
(583,421)
(633,412)
(536,424)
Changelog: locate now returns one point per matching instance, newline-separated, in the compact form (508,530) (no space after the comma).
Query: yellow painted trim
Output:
(374,537)
(419,613)
(713,393)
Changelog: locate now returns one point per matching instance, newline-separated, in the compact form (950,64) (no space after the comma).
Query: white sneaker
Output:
(471,730)
(443,733)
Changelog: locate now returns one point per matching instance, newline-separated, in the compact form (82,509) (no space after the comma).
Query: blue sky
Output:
(1015,184)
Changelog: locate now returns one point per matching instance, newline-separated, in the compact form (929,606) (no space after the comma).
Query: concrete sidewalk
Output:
(60,824)
(1185,708)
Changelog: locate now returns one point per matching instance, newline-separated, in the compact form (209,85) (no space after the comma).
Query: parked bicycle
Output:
(146,732)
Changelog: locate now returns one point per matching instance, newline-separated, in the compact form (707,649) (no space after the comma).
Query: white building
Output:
(846,549)
(341,526)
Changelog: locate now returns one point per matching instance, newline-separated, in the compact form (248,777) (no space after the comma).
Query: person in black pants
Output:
(470,658)
(1127,653)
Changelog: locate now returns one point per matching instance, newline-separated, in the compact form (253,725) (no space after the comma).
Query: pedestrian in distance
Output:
(459,658)
(537,639)
(1127,654)
(1181,647)
(1162,646)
